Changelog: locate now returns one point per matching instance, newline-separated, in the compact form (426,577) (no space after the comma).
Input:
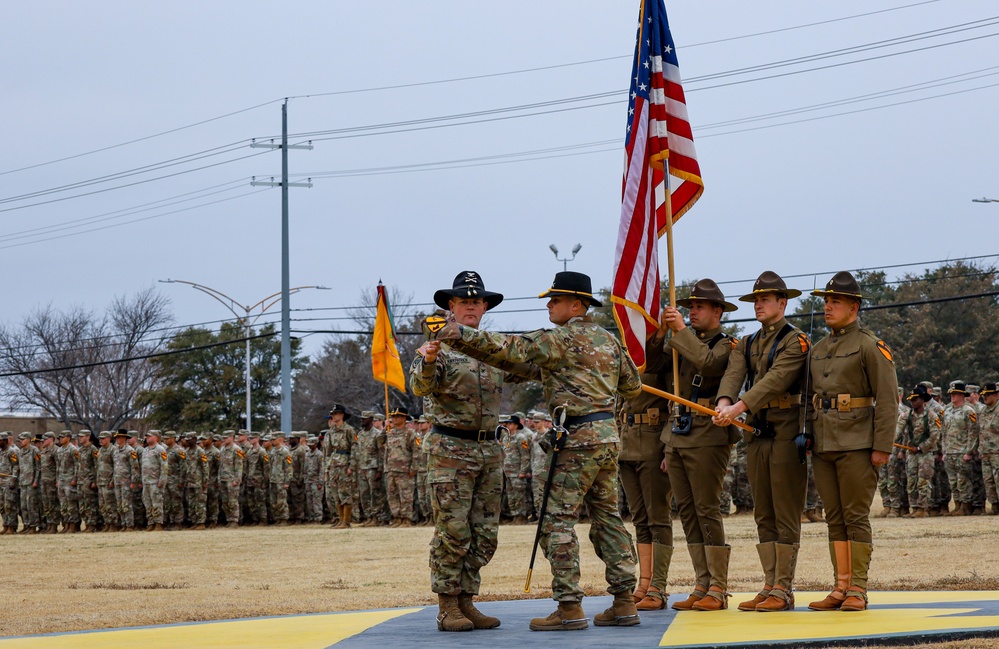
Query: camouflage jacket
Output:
(231,465)
(516,453)
(154,465)
(419,452)
(988,430)
(338,444)
(368,448)
(198,471)
(177,458)
(105,465)
(86,468)
(920,431)
(214,462)
(298,455)
(29,460)
(582,368)
(67,461)
(9,465)
(257,471)
(49,465)
(124,460)
(314,463)
(398,451)
(280,464)
(960,429)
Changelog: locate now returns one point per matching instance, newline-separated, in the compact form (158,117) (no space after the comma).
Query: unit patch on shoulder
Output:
(733,342)
(885,350)
(973,417)
(805,344)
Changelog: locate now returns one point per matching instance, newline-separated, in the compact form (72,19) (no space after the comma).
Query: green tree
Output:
(205,389)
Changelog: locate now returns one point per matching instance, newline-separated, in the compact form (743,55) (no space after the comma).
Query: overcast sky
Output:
(876,187)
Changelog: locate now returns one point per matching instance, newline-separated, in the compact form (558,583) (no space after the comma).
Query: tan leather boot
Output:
(568,616)
(702,578)
(655,598)
(644,570)
(717,559)
(478,619)
(345,514)
(860,561)
(622,612)
(840,554)
(768,559)
(450,617)
(782,596)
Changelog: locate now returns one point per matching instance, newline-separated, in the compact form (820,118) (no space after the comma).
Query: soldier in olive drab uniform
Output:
(960,428)
(280,477)
(67,456)
(126,476)
(231,477)
(919,431)
(583,370)
(851,410)
(154,467)
(86,482)
(770,363)
(988,443)
(9,497)
(646,484)
(697,450)
(198,474)
(296,488)
(464,458)
(29,478)
(105,482)
(173,496)
(338,445)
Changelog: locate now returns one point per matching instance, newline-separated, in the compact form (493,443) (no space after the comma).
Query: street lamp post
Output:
(565,261)
(264,305)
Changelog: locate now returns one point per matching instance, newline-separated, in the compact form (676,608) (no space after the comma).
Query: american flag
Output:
(658,131)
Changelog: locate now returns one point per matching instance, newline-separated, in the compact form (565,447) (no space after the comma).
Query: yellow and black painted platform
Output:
(893,618)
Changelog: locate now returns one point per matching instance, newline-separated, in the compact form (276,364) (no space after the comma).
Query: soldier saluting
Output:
(851,414)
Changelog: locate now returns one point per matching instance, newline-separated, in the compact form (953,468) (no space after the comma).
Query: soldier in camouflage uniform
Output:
(813,504)
(919,431)
(198,474)
(138,506)
(9,496)
(516,468)
(86,481)
(399,472)
(29,478)
(154,467)
(173,497)
(212,496)
(420,468)
(892,480)
(583,370)
(369,451)
(127,476)
(338,446)
(742,494)
(231,477)
(960,430)
(988,443)
(49,486)
(728,485)
(539,459)
(976,476)
(314,481)
(67,457)
(296,488)
(104,469)
(280,477)
(255,478)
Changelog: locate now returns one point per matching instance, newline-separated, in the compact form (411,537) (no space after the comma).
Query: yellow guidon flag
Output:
(385,363)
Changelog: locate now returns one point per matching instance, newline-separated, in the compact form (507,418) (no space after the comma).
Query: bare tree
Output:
(67,364)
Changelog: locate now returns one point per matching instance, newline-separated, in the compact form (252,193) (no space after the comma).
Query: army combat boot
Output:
(622,612)
(450,617)
(768,559)
(568,616)
(478,619)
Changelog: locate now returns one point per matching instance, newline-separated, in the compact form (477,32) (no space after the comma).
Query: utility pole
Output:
(285,280)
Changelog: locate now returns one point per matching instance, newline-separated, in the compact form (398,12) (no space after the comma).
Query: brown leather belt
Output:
(842,402)
(785,401)
(651,417)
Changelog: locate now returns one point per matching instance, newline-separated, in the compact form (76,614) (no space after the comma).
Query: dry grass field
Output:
(63,583)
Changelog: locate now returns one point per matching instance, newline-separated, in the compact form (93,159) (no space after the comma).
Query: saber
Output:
(695,406)
(559,435)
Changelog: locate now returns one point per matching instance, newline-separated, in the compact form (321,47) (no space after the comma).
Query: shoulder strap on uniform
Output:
(748,343)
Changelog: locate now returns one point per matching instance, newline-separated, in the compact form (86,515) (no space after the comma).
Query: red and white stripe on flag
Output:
(658,133)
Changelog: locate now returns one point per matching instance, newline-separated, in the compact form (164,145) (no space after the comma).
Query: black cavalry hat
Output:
(920,392)
(339,407)
(842,283)
(989,388)
(467,284)
(569,282)
(769,282)
(399,410)
(706,289)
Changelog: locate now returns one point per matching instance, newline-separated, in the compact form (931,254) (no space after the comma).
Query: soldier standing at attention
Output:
(231,477)
(583,370)
(67,459)
(212,500)
(464,458)
(296,488)
(851,413)
(919,429)
(338,444)
(198,474)
(137,447)
(420,468)
(155,471)
(368,451)
(398,465)
(173,497)
(516,468)
(105,483)
(29,478)
(960,427)
(51,513)
(126,478)
(280,464)
(988,443)
(256,492)
(698,450)
(770,363)
(86,481)
(9,498)
(315,487)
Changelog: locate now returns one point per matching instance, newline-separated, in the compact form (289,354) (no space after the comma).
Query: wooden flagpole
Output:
(672,282)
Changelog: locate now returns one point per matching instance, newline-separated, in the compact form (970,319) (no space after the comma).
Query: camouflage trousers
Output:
(90,512)
(423,496)
(919,469)
(49,495)
(959,476)
(728,485)
(359,512)
(296,501)
(314,492)
(516,495)
(229,499)
(372,494)
(812,500)
(400,487)
(152,501)
(197,503)
(990,475)
(892,482)
(109,505)
(10,505)
(212,504)
(977,483)
(339,487)
(173,504)
(123,504)
(941,483)
(138,508)
(466,495)
(586,476)
(30,506)
(69,504)
(278,497)
(256,504)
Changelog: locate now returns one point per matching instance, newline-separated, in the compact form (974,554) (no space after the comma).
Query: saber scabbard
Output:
(556,446)
(694,406)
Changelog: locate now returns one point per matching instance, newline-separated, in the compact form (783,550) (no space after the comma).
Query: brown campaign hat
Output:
(572,283)
(467,284)
(706,289)
(842,283)
(770,282)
